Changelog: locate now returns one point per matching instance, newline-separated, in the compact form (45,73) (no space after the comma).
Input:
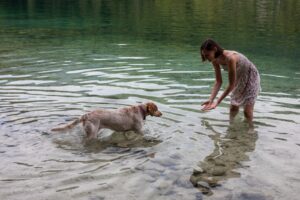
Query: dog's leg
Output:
(90,130)
(138,128)
(139,131)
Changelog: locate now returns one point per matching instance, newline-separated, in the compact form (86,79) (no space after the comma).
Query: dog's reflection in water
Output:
(129,139)
(119,140)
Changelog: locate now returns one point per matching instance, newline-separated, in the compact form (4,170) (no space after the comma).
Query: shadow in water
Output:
(128,139)
(116,140)
(229,153)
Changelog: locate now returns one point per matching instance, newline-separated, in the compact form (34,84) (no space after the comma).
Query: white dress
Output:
(247,85)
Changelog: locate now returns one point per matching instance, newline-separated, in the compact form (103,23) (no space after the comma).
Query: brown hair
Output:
(209,45)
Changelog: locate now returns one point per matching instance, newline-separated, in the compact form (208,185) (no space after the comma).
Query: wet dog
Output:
(122,119)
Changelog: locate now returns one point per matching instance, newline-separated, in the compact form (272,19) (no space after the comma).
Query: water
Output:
(62,59)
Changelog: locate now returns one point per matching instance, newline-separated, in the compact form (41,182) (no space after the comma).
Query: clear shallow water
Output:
(61,60)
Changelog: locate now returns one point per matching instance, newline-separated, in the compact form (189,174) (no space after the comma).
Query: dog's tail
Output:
(68,126)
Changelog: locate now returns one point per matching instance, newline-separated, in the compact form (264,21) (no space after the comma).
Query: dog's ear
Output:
(151,108)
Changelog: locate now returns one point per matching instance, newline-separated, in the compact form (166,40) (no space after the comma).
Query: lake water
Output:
(59,60)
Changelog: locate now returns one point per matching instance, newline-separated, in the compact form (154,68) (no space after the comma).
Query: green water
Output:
(60,59)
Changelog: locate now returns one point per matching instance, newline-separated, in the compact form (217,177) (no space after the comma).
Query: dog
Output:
(122,119)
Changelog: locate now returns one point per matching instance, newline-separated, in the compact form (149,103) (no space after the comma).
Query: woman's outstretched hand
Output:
(209,105)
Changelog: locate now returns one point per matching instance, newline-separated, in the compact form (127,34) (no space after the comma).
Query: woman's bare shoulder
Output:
(231,56)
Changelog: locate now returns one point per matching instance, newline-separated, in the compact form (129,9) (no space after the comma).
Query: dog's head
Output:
(153,110)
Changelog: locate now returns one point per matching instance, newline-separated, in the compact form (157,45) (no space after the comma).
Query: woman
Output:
(244,80)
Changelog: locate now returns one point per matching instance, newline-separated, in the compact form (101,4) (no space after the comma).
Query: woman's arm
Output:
(218,82)
(216,87)
(231,77)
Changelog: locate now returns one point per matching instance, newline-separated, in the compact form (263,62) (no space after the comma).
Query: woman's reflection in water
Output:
(229,153)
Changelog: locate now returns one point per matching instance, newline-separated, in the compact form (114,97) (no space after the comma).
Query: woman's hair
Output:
(209,45)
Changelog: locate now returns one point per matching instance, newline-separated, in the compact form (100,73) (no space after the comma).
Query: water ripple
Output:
(174,155)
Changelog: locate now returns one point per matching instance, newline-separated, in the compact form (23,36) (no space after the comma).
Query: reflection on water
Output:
(229,154)
(184,22)
(117,140)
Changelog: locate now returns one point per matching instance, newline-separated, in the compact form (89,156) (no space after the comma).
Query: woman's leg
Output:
(233,112)
(248,112)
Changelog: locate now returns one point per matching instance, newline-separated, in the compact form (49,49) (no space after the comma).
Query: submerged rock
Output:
(218,171)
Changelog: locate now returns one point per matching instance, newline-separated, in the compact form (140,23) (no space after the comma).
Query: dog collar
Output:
(144,113)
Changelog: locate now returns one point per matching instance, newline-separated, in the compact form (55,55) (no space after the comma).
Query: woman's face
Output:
(209,54)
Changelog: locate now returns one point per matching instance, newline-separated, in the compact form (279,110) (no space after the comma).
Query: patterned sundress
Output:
(247,85)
